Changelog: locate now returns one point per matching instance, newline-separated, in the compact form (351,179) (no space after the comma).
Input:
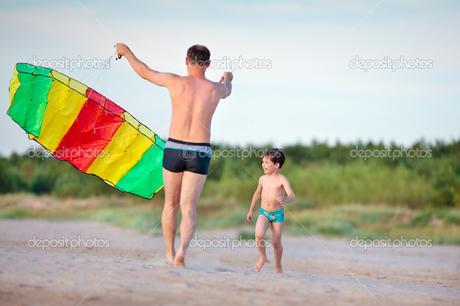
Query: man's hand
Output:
(249,216)
(225,85)
(227,77)
(122,49)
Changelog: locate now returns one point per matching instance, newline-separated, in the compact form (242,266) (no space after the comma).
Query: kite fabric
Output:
(76,124)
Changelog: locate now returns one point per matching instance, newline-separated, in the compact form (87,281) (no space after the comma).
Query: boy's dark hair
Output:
(198,55)
(276,156)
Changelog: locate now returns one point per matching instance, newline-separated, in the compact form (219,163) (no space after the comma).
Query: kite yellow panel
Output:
(115,159)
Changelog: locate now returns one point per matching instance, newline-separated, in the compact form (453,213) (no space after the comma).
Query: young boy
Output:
(275,191)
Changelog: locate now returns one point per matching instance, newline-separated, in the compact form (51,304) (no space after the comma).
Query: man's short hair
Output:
(276,156)
(198,55)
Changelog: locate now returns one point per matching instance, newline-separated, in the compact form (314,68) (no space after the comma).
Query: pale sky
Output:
(309,90)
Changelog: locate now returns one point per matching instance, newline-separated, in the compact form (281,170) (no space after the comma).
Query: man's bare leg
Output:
(261,228)
(172,187)
(277,230)
(192,184)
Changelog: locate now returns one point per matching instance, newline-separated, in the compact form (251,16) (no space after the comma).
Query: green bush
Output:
(10,180)
(42,181)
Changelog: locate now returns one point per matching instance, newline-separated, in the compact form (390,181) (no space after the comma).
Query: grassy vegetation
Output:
(370,222)
(442,225)
(338,195)
(125,212)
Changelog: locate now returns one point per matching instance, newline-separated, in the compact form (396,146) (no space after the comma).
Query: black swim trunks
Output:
(182,156)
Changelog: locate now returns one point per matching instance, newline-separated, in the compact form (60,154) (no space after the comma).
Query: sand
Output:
(128,268)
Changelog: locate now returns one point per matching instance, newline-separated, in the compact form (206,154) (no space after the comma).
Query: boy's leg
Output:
(192,184)
(261,227)
(172,187)
(277,230)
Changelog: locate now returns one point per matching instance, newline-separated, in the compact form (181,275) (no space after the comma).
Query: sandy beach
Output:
(127,268)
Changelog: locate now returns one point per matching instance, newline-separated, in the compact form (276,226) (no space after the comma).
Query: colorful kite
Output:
(76,124)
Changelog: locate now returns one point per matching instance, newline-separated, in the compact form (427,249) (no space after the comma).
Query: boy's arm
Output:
(256,196)
(290,195)
(224,87)
(158,78)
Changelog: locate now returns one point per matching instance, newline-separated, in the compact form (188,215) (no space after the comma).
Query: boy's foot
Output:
(278,270)
(260,263)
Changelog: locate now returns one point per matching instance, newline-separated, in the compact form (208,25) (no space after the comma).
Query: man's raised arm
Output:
(158,78)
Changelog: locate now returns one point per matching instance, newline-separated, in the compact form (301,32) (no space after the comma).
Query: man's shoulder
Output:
(179,77)
(215,85)
(205,81)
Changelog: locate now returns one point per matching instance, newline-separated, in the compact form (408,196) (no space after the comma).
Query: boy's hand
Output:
(249,216)
(121,49)
(282,200)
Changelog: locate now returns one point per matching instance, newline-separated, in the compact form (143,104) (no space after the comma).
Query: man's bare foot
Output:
(179,261)
(170,259)
(278,270)
(260,263)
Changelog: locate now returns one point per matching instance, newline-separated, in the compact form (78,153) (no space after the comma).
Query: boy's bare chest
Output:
(272,187)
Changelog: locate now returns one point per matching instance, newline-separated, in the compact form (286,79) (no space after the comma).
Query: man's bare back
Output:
(194,101)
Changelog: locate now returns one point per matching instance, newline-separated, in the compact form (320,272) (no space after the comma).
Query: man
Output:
(187,152)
